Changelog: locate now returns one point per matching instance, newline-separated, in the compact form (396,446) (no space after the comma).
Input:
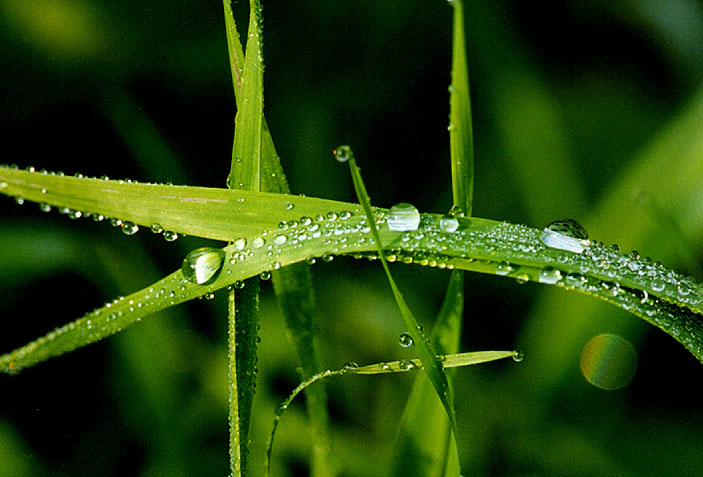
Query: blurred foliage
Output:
(591,111)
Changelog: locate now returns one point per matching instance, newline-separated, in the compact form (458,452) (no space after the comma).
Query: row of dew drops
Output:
(423,232)
(127,227)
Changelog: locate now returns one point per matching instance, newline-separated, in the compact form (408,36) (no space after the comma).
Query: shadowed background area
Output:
(592,112)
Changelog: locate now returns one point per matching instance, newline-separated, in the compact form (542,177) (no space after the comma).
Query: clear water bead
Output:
(203,264)
(449,223)
(403,217)
(343,153)
(566,234)
(406,340)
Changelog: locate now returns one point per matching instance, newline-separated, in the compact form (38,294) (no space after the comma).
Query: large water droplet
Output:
(406,340)
(403,217)
(129,228)
(549,275)
(518,356)
(566,234)
(203,264)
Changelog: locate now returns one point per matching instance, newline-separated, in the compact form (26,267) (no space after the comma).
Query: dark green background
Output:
(566,97)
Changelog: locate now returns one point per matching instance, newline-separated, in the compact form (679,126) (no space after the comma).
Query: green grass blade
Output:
(245,174)
(250,220)
(428,357)
(450,361)
(273,178)
(461,139)
(425,437)
(248,124)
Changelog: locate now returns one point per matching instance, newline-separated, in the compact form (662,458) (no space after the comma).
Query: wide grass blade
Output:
(669,300)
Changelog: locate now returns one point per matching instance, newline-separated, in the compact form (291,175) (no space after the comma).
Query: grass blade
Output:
(461,139)
(425,438)
(450,361)
(428,357)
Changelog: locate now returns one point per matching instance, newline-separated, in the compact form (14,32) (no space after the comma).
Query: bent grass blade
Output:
(251,221)
(449,361)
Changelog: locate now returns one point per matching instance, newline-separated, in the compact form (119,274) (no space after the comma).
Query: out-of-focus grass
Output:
(571,113)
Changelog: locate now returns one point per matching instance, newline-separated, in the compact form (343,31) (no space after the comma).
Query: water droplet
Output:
(566,234)
(504,268)
(258,242)
(406,365)
(240,243)
(203,264)
(156,228)
(403,217)
(280,239)
(265,275)
(549,275)
(518,356)
(406,340)
(448,223)
(170,236)
(349,365)
(289,205)
(19,200)
(239,284)
(522,279)
(44,207)
(343,153)
(74,214)
(129,228)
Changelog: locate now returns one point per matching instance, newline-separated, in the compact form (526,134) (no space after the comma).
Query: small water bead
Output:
(289,205)
(406,365)
(280,239)
(170,236)
(345,215)
(449,223)
(129,228)
(504,268)
(403,217)
(19,200)
(406,340)
(74,214)
(549,275)
(202,265)
(258,242)
(456,211)
(566,234)
(156,228)
(343,153)
(239,284)
(265,275)
(349,365)
(240,243)
(44,207)
(518,356)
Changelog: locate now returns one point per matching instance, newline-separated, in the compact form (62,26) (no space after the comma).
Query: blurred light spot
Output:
(608,361)
(64,28)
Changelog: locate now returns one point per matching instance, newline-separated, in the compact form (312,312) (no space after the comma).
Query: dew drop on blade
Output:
(343,153)
(203,264)
(403,217)
(406,340)
(565,234)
